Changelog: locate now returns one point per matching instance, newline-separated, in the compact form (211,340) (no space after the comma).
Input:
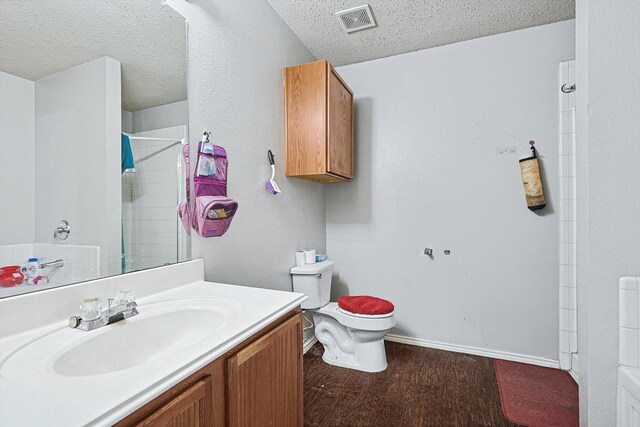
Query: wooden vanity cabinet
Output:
(192,407)
(318,123)
(257,383)
(265,379)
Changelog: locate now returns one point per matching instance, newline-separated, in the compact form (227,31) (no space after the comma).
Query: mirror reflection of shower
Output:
(61,134)
(152,188)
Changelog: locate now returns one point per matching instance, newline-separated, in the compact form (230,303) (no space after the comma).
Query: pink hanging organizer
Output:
(212,211)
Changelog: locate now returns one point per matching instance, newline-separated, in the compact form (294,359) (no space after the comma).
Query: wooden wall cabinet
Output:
(318,123)
(258,383)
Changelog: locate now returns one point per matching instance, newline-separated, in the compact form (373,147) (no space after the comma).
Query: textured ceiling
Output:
(410,25)
(42,37)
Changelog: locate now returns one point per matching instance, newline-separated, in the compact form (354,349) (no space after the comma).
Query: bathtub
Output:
(628,397)
(81,263)
(24,288)
(629,356)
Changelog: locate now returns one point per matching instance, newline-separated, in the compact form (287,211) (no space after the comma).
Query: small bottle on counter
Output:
(33,270)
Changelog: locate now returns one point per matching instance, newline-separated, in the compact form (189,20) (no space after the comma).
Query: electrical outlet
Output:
(505,151)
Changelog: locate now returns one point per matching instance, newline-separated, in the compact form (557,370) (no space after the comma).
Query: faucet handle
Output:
(125,296)
(90,309)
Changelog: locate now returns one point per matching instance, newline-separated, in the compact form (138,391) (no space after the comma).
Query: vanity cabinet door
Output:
(258,382)
(191,408)
(264,379)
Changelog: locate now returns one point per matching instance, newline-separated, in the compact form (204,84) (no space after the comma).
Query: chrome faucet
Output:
(62,231)
(53,264)
(110,315)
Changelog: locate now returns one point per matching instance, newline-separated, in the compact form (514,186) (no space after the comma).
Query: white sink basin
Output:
(154,337)
(162,329)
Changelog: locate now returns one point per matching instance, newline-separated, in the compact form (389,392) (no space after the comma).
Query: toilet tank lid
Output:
(317,268)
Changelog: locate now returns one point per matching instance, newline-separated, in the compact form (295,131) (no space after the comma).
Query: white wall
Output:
(608,64)
(163,116)
(78,118)
(237,51)
(428,125)
(582,214)
(160,117)
(127,121)
(17,159)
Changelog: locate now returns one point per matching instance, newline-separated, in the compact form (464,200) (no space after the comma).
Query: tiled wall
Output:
(80,263)
(629,300)
(567,191)
(150,196)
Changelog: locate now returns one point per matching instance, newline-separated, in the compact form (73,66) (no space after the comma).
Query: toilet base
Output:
(349,347)
(375,363)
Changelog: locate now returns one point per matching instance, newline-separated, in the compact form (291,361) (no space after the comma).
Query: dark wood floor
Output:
(420,387)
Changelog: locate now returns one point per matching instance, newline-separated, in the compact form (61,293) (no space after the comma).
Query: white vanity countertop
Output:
(32,393)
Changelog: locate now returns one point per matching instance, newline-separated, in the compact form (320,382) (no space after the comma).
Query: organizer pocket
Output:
(209,186)
(211,164)
(213,215)
(210,177)
(206,165)
(183,213)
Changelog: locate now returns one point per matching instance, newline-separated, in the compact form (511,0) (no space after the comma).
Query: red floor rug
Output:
(534,396)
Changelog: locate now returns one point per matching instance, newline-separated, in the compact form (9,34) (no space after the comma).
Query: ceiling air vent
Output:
(356,18)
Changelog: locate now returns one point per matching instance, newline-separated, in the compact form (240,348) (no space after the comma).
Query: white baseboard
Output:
(308,344)
(575,367)
(574,375)
(494,354)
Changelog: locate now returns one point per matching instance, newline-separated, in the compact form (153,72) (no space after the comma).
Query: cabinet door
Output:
(265,379)
(192,408)
(305,108)
(340,127)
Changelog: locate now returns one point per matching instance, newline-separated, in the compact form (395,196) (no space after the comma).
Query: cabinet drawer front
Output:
(340,128)
(189,409)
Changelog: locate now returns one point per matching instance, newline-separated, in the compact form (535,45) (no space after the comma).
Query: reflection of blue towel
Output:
(126,164)
(127,155)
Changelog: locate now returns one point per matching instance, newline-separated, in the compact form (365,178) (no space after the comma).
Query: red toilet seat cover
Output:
(364,304)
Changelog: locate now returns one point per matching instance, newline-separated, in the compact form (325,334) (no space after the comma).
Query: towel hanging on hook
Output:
(530,172)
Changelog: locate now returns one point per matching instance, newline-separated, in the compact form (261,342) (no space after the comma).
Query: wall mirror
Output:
(92,122)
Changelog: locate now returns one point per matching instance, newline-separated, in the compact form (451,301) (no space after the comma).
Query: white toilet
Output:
(350,340)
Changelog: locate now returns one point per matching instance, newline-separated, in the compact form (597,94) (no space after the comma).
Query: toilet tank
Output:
(313,280)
